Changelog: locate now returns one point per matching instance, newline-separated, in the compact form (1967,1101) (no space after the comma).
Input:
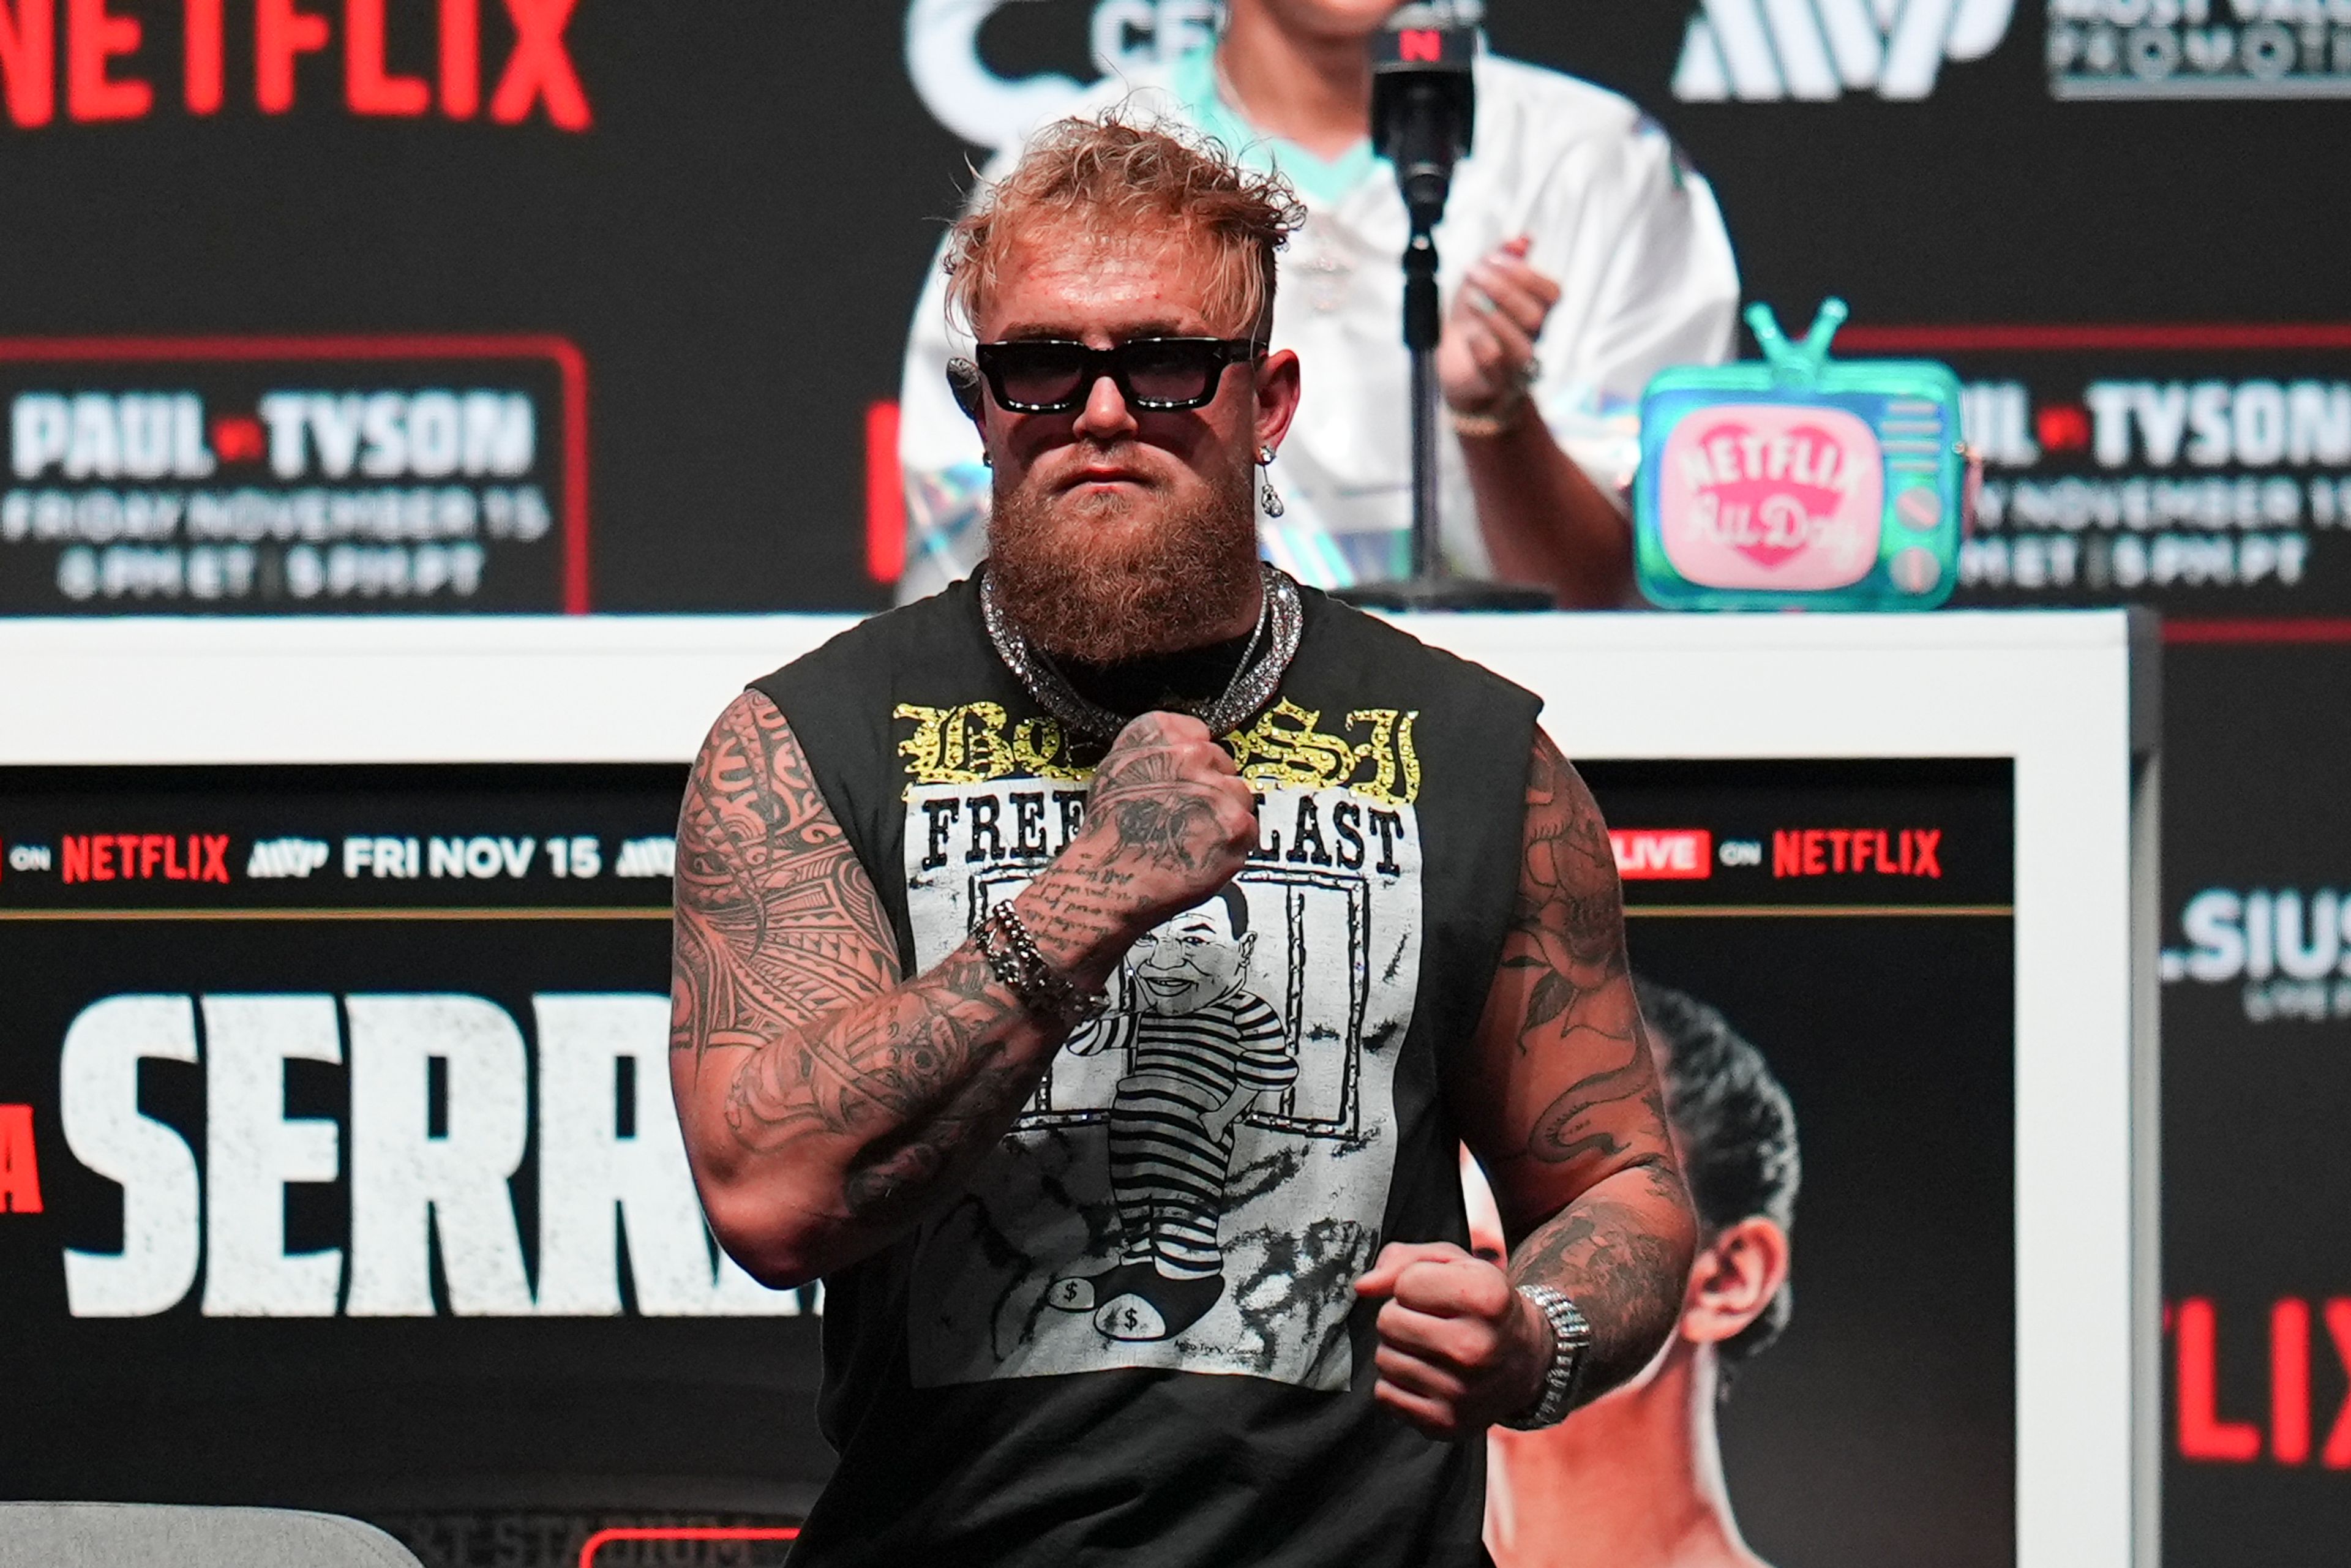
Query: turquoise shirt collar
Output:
(1323,181)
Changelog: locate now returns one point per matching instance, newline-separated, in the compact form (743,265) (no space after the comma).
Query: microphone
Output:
(1423,105)
(1424,108)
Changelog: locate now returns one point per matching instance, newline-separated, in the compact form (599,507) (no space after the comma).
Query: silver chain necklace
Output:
(1272,646)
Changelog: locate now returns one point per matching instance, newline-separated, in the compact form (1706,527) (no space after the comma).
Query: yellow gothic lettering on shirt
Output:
(967,744)
(973,743)
(1286,746)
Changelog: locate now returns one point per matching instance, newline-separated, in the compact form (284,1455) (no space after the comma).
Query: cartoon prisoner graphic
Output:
(1203,1049)
(1202,1172)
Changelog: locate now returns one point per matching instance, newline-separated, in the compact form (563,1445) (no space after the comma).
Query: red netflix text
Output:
(1837,851)
(20,1175)
(109,73)
(146,857)
(2210,1435)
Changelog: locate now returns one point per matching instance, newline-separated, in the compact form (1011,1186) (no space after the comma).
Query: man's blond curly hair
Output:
(1114,176)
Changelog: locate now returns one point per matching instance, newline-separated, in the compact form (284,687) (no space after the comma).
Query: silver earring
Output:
(1266,497)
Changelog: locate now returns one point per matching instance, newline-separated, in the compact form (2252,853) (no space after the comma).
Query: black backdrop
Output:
(735,239)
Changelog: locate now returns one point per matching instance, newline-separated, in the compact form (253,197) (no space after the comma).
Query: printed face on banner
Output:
(1204,1169)
(1771,495)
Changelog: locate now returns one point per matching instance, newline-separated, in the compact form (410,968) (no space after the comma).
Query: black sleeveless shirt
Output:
(1134,1338)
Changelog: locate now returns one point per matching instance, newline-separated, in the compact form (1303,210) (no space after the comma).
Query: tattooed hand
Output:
(1169,821)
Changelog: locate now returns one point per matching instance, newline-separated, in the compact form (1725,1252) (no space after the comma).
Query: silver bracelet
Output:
(1013,957)
(1571,1337)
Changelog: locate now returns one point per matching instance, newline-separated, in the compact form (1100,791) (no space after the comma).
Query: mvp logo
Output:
(1767,50)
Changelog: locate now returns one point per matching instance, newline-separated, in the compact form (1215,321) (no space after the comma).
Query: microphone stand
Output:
(1423,125)
(1421,331)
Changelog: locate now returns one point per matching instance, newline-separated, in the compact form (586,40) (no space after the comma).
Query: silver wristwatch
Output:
(1571,1337)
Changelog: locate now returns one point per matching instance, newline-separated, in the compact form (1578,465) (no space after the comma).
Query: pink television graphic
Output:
(1771,495)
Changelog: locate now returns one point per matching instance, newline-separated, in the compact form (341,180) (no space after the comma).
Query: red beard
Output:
(1083,582)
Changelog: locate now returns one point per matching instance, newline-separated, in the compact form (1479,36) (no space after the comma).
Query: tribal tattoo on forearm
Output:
(1621,1248)
(775,922)
(785,963)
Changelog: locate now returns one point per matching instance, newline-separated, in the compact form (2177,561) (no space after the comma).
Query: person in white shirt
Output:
(1581,255)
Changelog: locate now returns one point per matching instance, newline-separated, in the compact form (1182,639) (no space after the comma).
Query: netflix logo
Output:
(20,1174)
(97,61)
(146,857)
(1848,852)
(2209,1434)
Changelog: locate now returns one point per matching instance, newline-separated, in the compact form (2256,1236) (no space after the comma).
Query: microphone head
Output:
(1424,103)
(1423,43)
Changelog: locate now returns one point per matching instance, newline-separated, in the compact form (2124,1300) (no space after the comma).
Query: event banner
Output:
(1854,922)
(2256,973)
(726,213)
(303,474)
(2203,470)
(338,1167)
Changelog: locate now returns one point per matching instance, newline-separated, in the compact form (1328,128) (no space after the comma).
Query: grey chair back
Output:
(158,1535)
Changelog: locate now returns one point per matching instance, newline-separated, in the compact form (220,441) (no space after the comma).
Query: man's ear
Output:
(1734,1280)
(1248,945)
(1277,396)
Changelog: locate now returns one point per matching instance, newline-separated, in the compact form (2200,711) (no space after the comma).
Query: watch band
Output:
(1571,1337)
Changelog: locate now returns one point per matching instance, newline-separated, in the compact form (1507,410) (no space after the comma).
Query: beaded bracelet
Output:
(1013,957)
(1499,420)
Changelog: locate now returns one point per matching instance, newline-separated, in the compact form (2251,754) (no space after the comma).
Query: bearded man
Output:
(909,863)
(1581,254)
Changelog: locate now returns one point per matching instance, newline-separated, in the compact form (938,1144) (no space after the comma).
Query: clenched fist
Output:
(1169,821)
(1459,1348)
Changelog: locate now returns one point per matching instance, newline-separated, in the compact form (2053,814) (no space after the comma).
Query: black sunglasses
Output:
(1051,375)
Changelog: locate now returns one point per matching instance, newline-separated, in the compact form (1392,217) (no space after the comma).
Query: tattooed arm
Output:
(828,1103)
(1565,1112)
(1560,1100)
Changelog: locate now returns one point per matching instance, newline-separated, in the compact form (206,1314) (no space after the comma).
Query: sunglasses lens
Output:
(1039,373)
(1169,370)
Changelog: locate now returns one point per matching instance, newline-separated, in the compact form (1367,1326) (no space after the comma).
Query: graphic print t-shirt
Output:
(1135,1328)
